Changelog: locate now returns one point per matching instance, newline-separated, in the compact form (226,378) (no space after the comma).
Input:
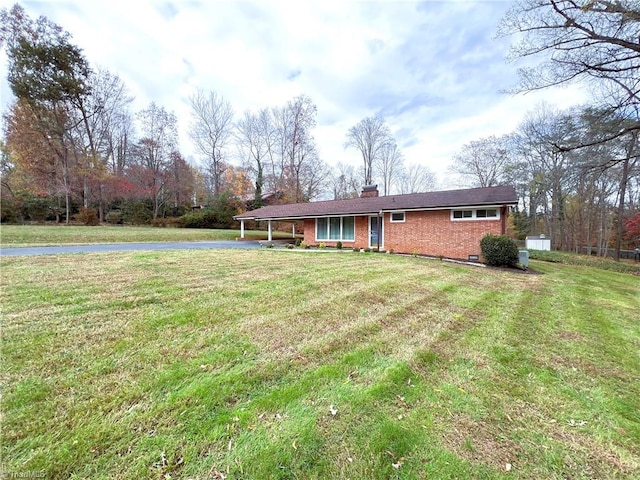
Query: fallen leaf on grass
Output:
(217,474)
(573,423)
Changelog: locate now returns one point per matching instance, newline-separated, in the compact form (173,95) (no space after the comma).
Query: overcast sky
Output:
(432,69)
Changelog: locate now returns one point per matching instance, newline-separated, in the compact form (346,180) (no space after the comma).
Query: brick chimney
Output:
(369,191)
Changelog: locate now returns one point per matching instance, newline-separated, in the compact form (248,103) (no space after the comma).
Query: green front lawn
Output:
(36,235)
(578,259)
(271,364)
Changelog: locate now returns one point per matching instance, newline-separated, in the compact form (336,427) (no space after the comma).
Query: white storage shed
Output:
(538,242)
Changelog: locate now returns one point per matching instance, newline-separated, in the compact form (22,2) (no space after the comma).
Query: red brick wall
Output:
(362,232)
(310,231)
(425,232)
(434,233)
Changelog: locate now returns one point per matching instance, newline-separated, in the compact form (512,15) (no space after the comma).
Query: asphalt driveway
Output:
(125,247)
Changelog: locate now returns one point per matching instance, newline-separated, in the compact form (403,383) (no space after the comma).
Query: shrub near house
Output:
(499,251)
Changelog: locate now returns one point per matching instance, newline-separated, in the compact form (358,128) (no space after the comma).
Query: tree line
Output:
(576,171)
(579,197)
(71,143)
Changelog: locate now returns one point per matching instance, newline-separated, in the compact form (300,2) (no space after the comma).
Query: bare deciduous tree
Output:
(417,178)
(278,147)
(389,166)
(597,41)
(294,146)
(549,168)
(154,151)
(370,137)
(482,163)
(210,130)
(592,40)
(96,120)
(254,140)
(314,179)
(120,137)
(345,183)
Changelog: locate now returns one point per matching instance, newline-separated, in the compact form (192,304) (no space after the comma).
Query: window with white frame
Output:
(397,217)
(487,213)
(335,228)
(460,214)
(476,214)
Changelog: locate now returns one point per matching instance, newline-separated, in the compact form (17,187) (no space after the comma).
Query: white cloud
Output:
(431,68)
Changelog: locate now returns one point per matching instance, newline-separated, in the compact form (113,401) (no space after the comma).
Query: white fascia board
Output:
(476,207)
(453,207)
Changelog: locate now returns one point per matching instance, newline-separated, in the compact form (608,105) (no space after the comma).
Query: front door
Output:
(376,230)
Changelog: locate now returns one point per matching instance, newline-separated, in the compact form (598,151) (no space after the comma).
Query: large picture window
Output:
(335,228)
(335,225)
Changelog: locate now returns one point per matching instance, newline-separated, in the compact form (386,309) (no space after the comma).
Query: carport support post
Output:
(270,234)
(294,230)
(241,228)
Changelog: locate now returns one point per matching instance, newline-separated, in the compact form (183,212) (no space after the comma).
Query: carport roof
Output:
(502,195)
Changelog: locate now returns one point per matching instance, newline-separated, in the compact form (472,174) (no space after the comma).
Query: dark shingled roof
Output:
(504,195)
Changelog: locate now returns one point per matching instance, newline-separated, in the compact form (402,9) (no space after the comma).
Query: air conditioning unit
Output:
(523,258)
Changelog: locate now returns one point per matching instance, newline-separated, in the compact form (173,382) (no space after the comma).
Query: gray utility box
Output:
(523,258)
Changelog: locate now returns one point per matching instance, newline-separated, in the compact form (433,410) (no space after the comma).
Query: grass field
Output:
(604,263)
(37,235)
(295,365)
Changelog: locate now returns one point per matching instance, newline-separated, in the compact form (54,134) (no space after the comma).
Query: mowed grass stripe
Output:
(40,235)
(185,364)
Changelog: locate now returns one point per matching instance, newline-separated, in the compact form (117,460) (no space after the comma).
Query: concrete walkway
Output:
(125,247)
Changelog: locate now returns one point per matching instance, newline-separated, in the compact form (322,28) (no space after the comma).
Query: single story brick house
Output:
(450,223)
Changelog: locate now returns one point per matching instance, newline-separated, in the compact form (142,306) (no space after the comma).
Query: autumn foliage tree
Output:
(632,229)
(49,77)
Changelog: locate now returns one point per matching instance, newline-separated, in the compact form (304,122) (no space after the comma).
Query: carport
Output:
(269,225)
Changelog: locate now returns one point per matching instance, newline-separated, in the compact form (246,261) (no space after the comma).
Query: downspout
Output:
(379,228)
(503,219)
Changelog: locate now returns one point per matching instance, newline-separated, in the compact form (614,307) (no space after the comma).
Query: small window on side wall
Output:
(397,217)
(490,213)
(476,214)
(462,213)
